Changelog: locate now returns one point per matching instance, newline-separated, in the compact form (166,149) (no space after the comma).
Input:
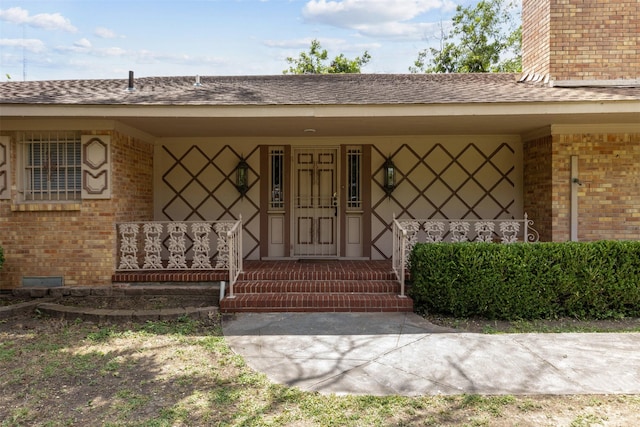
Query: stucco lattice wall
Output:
(449,181)
(198,183)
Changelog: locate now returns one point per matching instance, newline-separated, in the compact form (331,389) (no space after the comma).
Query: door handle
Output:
(335,204)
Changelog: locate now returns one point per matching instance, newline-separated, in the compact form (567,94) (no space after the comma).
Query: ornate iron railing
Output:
(180,245)
(408,232)
(234,240)
(399,252)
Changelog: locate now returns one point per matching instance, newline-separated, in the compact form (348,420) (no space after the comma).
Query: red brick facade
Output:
(581,40)
(77,241)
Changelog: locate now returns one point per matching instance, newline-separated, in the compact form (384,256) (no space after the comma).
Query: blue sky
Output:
(95,39)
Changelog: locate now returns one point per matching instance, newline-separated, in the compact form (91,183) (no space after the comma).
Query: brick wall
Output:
(537,185)
(586,40)
(535,36)
(609,199)
(77,244)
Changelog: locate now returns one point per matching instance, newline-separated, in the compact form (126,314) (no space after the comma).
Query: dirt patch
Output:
(8,300)
(139,302)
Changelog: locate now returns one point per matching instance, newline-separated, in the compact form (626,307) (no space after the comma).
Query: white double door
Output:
(315,202)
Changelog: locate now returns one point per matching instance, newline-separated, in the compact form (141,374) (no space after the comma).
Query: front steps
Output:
(328,286)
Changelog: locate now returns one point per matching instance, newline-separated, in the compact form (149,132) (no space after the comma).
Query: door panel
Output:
(315,206)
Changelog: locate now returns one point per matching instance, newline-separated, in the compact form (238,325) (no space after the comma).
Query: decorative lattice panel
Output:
(5,173)
(197,182)
(444,181)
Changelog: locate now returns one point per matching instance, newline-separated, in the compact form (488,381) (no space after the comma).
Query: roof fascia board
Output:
(40,124)
(27,122)
(595,128)
(404,110)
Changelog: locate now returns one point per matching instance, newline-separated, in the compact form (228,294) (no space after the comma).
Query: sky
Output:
(105,39)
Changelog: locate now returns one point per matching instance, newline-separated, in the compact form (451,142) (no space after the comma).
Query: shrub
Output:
(527,281)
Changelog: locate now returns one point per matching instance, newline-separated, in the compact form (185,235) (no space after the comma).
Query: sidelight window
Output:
(354,178)
(276,173)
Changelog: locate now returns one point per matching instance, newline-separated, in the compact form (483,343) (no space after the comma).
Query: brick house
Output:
(559,142)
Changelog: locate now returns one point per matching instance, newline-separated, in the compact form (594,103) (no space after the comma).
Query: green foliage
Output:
(1,257)
(314,62)
(595,280)
(483,39)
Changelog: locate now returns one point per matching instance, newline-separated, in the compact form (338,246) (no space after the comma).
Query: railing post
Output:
(526,229)
(403,255)
(399,237)
(234,238)
(232,257)
(240,261)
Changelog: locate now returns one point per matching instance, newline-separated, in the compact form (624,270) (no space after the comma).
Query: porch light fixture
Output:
(242,177)
(389,170)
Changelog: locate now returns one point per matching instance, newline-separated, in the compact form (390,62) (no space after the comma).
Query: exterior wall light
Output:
(389,176)
(242,177)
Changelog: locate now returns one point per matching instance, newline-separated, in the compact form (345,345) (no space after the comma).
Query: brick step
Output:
(316,286)
(304,302)
(338,274)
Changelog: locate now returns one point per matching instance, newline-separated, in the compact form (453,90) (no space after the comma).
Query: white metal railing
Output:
(408,232)
(180,245)
(399,256)
(234,239)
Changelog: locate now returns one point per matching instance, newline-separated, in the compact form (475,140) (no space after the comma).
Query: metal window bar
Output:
(354,158)
(52,169)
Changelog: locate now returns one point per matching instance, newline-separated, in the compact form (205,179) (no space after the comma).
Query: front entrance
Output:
(315,202)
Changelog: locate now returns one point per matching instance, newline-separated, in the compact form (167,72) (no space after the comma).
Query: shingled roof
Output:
(327,89)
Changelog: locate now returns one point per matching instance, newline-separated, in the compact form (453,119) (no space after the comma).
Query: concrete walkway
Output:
(403,354)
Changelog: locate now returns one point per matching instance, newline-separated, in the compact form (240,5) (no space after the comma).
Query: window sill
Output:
(48,207)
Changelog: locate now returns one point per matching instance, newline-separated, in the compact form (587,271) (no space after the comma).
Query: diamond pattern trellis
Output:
(198,183)
(468,181)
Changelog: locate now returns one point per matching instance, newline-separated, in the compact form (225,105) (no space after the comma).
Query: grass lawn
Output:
(182,373)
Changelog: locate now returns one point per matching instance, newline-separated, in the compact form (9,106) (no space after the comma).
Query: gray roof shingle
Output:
(325,89)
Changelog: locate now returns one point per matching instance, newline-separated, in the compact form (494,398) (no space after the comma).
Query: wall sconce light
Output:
(389,176)
(242,177)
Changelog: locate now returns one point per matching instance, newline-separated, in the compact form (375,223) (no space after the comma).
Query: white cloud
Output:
(31,45)
(303,43)
(382,18)
(83,44)
(104,33)
(46,21)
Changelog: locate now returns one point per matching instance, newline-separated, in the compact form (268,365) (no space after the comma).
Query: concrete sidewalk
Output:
(403,354)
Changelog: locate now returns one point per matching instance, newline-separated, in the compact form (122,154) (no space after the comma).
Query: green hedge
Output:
(595,280)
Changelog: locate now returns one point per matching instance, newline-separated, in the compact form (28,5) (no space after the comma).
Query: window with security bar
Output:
(354,179)
(276,167)
(52,166)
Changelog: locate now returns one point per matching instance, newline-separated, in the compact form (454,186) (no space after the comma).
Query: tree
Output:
(482,39)
(314,62)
